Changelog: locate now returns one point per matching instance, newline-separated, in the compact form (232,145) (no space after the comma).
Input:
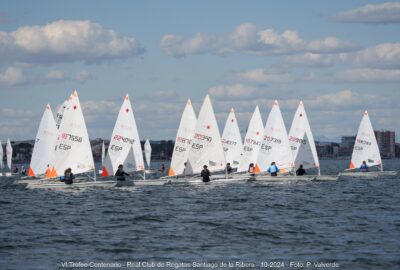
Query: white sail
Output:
(300,138)
(43,150)
(366,147)
(206,145)
(125,136)
(183,141)
(1,156)
(252,141)
(103,154)
(232,140)
(60,113)
(73,148)
(147,152)
(275,144)
(130,161)
(9,152)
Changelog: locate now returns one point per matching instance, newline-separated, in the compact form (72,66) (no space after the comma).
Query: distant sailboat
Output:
(1,158)
(232,140)
(124,139)
(252,141)
(183,140)
(147,152)
(43,150)
(302,141)
(275,145)
(103,153)
(9,153)
(206,144)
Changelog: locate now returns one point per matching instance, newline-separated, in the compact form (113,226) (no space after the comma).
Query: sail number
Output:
(124,139)
(297,140)
(202,137)
(272,139)
(115,147)
(228,142)
(74,138)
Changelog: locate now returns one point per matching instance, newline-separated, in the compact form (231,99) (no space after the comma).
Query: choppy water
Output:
(355,223)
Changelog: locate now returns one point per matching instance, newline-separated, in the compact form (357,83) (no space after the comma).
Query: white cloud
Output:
(177,47)
(369,75)
(83,76)
(66,41)
(311,60)
(234,92)
(12,76)
(385,55)
(251,39)
(262,76)
(388,12)
(56,75)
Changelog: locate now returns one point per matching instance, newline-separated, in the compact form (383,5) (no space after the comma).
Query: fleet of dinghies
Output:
(62,142)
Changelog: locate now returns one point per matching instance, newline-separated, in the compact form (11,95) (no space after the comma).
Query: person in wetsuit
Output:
(205,174)
(273,169)
(120,173)
(68,177)
(300,170)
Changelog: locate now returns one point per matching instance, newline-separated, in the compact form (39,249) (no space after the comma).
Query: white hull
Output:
(283,178)
(197,181)
(326,177)
(62,185)
(368,174)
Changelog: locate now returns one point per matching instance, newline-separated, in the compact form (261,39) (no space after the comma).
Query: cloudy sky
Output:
(340,57)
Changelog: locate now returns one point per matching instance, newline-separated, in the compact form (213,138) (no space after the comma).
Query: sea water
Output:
(344,224)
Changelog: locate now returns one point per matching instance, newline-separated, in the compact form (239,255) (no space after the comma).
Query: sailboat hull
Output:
(368,174)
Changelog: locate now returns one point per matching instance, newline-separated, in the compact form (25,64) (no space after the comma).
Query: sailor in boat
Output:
(23,170)
(300,170)
(162,169)
(229,169)
(69,177)
(205,174)
(120,174)
(15,169)
(251,169)
(273,169)
(364,167)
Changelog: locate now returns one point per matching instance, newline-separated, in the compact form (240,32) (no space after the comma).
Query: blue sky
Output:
(340,57)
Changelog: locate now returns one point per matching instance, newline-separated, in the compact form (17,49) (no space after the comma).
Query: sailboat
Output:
(60,113)
(124,143)
(275,147)
(206,148)
(232,140)
(147,153)
(366,149)
(103,156)
(1,159)
(302,142)
(72,150)
(252,141)
(206,144)
(9,153)
(183,141)
(43,150)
